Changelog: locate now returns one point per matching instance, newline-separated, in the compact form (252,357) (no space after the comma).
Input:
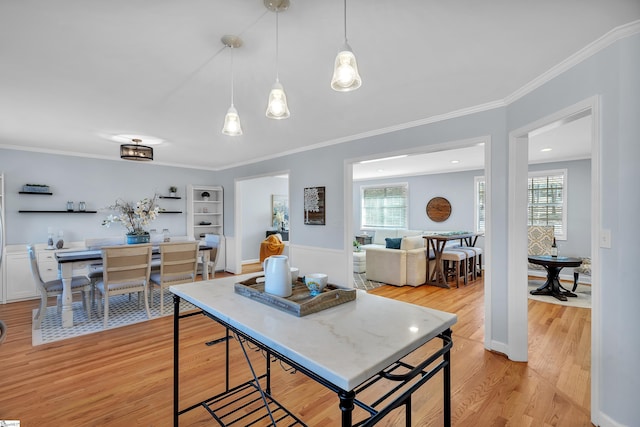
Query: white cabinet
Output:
(205,215)
(48,265)
(19,283)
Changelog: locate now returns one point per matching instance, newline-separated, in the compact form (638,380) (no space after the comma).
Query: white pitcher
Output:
(277,276)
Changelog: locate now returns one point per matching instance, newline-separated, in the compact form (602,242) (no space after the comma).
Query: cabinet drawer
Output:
(48,256)
(48,270)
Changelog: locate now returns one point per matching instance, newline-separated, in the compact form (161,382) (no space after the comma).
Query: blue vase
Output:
(133,239)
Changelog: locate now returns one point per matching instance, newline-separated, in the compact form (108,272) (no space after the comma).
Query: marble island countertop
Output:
(346,344)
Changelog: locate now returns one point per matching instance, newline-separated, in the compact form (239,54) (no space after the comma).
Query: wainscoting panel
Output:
(332,262)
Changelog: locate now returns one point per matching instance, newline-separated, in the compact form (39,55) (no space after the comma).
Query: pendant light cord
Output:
(231,75)
(345,21)
(277,48)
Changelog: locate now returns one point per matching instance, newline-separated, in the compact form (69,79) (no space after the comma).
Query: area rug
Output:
(122,312)
(583,292)
(360,282)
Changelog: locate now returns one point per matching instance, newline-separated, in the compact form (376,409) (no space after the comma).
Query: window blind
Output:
(384,206)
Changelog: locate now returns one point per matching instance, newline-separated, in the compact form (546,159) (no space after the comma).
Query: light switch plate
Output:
(605,238)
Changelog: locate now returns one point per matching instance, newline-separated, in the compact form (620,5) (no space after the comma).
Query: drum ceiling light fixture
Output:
(136,151)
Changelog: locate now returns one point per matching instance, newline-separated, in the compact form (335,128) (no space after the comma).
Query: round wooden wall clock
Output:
(438,209)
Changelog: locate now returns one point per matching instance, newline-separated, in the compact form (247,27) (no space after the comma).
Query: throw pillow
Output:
(393,243)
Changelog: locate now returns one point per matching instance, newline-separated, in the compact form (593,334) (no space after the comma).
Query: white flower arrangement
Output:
(134,217)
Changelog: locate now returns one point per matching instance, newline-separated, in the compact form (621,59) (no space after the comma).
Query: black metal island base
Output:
(309,344)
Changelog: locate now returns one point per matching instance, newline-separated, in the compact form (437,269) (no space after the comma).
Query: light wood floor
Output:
(123,376)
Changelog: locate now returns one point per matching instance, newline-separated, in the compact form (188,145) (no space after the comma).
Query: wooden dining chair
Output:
(178,264)
(125,270)
(53,288)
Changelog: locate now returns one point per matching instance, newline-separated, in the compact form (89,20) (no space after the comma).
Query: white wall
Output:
(612,74)
(97,182)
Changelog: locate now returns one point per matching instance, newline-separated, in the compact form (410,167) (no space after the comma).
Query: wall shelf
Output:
(67,212)
(35,192)
(173,212)
(170,197)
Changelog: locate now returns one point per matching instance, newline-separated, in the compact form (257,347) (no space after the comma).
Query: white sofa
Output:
(404,266)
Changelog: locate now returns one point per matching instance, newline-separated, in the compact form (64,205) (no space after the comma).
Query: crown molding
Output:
(588,51)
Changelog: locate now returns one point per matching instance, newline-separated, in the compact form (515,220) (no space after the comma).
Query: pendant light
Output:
(345,71)
(277,105)
(232,120)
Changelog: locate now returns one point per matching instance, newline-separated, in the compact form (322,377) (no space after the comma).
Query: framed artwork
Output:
(280,212)
(314,207)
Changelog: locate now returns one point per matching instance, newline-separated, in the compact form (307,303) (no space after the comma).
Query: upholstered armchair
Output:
(540,241)
(404,266)
(272,245)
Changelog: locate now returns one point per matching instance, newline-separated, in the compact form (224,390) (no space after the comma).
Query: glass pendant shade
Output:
(345,72)
(277,107)
(232,123)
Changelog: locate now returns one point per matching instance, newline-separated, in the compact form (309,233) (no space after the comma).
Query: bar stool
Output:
(470,268)
(459,260)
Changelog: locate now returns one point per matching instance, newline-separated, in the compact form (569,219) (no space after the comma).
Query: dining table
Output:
(436,243)
(374,363)
(74,260)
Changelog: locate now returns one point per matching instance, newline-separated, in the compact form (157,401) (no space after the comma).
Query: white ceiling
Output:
(561,141)
(74,71)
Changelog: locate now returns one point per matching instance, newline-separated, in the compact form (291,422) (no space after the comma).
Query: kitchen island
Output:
(371,334)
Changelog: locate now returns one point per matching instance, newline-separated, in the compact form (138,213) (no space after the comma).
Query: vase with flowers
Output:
(134,217)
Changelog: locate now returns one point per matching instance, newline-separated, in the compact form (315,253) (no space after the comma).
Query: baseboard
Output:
(499,347)
(606,421)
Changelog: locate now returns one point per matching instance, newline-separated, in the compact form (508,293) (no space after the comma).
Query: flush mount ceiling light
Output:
(345,70)
(277,107)
(232,120)
(136,151)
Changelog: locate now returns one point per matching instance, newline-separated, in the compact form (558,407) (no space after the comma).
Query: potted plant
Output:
(134,217)
(356,246)
(173,190)
(205,196)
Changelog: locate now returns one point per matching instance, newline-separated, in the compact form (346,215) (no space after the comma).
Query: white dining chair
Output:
(53,288)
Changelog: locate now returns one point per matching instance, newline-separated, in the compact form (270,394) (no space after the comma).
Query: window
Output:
(479,185)
(384,206)
(547,201)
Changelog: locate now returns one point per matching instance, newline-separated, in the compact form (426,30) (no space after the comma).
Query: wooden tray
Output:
(300,303)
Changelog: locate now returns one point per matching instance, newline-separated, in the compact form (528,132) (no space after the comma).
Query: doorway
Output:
(254,205)
(435,151)
(517,243)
